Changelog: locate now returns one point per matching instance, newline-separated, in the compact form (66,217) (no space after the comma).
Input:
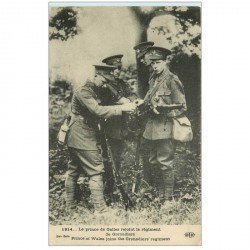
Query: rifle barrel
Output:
(118,181)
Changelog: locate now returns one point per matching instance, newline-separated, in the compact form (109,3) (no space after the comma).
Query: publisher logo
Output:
(189,234)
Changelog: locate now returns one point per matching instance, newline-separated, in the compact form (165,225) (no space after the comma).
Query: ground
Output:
(183,209)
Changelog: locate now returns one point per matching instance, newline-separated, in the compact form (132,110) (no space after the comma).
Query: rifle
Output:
(137,179)
(110,164)
(136,120)
(147,108)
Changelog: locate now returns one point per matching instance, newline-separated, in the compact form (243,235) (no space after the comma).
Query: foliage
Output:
(184,37)
(59,106)
(184,209)
(128,73)
(178,25)
(63,25)
(190,75)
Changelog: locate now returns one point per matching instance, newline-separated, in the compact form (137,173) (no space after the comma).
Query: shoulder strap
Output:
(154,90)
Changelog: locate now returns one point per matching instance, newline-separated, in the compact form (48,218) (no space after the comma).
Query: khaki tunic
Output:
(170,91)
(116,127)
(83,134)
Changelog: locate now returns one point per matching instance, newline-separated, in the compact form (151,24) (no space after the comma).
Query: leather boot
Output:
(148,174)
(158,182)
(70,188)
(168,180)
(97,196)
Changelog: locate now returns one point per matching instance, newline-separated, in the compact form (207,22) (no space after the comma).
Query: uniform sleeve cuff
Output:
(174,113)
(118,110)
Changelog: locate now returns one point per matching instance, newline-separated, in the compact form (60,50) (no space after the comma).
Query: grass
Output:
(184,209)
(175,212)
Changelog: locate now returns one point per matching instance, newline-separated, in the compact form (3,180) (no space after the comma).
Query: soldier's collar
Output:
(162,74)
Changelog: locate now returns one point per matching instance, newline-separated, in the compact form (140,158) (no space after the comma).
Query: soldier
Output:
(121,87)
(83,142)
(144,69)
(142,66)
(141,51)
(116,127)
(165,88)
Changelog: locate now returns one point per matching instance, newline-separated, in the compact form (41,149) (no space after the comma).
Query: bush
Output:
(59,107)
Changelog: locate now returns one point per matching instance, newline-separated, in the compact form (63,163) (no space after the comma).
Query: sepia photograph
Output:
(124,124)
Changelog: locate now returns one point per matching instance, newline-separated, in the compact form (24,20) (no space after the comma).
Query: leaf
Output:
(51,217)
(54,189)
(187,196)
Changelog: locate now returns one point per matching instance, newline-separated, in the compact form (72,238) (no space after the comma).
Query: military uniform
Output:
(83,142)
(159,127)
(165,88)
(141,51)
(145,71)
(116,128)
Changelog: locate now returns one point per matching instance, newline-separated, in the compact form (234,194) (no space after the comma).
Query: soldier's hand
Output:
(138,102)
(155,111)
(128,107)
(123,100)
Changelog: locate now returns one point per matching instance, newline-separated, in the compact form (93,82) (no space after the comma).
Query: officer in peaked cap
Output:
(106,71)
(115,60)
(143,70)
(164,88)
(119,84)
(83,143)
(141,50)
(157,53)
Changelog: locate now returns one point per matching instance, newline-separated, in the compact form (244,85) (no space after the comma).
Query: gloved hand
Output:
(128,107)
(123,100)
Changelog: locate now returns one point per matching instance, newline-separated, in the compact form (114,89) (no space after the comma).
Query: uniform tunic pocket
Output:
(81,136)
(164,97)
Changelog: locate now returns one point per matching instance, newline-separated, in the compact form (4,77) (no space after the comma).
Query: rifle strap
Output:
(154,89)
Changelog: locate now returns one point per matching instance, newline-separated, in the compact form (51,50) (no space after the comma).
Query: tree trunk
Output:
(142,70)
(143,35)
(143,21)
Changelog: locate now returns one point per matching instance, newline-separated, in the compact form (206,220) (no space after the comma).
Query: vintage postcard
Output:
(124,124)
